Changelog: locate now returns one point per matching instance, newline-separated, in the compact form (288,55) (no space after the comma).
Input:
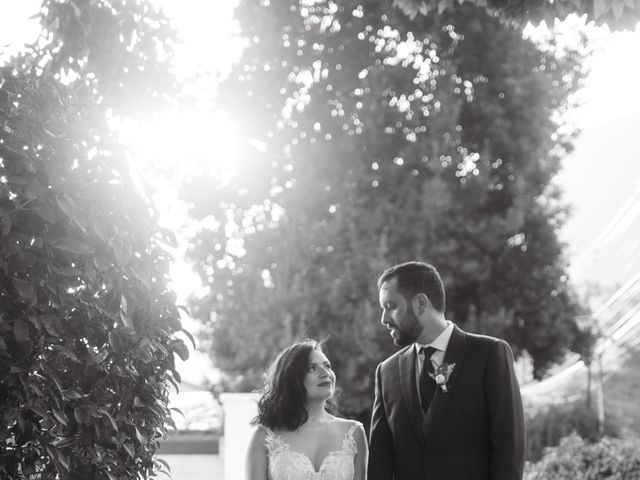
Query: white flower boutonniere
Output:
(442,374)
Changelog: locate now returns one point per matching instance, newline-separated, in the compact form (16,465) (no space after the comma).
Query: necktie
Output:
(427,384)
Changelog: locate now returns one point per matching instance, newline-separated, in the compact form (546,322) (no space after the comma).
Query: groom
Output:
(448,405)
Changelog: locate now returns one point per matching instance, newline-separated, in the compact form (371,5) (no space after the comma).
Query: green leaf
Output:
(106,413)
(129,449)
(5,223)
(24,287)
(52,452)
(143,277)
(618,8)
(17,180)
(4,99)
(81,415)
(21,330)
(72,395)
(68,271)
(124,313)
(169,237)
(599,8)
(126,320)
(71,209)
(173,382)
(64,460)
(116,341)
(161,347)
(45,212)
(190,337)
(122,253)
(56,381)
(76,11)
(20,156)
(181,349)
(444,5)
(177,410)
(33,189)
(67,352)
(55,128)
(141,436)
(60,416)
(51,323)
(163,462)
(35,389)
(72,245)
(39,411)
(166,473)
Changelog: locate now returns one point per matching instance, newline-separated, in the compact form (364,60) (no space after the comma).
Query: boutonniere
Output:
(442,374)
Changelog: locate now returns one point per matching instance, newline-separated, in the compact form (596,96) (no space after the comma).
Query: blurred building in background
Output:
(193,451)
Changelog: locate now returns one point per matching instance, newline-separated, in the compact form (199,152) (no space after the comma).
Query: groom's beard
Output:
(409,332)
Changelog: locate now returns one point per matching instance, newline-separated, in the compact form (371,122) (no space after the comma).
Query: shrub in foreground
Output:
(577,459)
(548,426)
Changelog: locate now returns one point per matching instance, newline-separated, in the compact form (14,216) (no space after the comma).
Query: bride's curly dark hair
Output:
(282,404)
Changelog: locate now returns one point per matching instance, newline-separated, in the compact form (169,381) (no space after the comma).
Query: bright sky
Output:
(599,178)
(615,68)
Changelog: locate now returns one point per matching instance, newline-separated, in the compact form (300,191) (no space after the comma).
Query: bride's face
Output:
(320,381)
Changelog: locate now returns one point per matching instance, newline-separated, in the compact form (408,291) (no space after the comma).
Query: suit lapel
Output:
(455,354)
(407,366)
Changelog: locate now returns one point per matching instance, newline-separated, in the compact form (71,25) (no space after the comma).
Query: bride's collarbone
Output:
(334,429)
(317,441)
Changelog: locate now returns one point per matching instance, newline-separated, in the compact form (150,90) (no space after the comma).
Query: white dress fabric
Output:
(286,464)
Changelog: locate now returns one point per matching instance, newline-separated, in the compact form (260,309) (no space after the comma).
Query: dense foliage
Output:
(87,322)
(369,138)
(548,426)
(576,458)
(617,14)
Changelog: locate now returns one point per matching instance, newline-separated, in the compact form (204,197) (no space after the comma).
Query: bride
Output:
(297,437)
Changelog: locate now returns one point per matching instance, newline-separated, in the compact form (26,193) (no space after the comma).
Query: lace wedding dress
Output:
(286,464)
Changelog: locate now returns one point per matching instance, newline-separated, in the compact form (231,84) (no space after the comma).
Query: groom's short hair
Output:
(414,278)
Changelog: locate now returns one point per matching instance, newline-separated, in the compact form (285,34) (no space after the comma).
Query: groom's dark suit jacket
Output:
(474,431)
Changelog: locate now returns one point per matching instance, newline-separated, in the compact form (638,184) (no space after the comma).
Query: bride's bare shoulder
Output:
(344,424)
(258,436)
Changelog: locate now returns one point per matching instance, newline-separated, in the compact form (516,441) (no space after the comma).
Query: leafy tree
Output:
(617,14)
(371,138)
(87,322)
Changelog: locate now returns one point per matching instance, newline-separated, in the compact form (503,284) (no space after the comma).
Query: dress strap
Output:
(348,442)
(273,441)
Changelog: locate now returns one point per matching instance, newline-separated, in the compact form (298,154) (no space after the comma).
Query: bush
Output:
(548,426)
(577,459)
(87,321)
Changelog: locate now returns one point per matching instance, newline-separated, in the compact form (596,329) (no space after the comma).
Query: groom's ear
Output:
(420,303)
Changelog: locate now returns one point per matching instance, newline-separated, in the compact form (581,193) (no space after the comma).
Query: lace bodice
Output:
(286,464)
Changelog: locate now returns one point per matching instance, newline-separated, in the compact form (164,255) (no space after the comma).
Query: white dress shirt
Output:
(440,344)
